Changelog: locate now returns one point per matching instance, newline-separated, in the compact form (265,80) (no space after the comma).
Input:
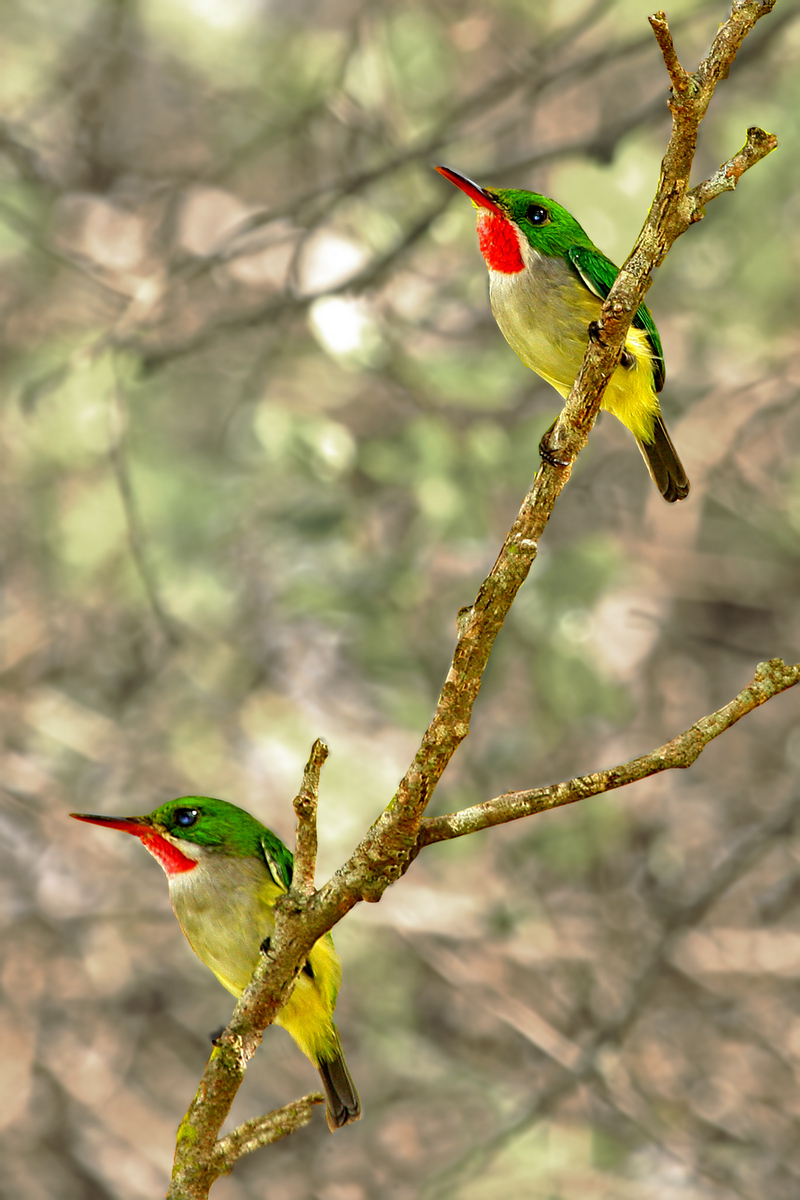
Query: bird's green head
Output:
(510,219)
(214,824)
(182,832)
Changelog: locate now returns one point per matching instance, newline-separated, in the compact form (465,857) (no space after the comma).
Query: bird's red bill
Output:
(134,825)
(170,857)
(478,195)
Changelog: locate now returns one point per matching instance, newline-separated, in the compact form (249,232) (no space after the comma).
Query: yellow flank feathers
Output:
(553,345)
(307,1014)
(630,395)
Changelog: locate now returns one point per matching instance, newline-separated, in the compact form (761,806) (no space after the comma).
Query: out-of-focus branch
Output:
(136,540)
(26,158)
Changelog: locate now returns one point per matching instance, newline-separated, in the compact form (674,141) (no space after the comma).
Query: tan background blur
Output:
(261,439)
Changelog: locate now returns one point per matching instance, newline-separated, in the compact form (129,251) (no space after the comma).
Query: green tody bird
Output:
(547,284)
(225,871)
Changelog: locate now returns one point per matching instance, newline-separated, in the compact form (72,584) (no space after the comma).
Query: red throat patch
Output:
(499,243)
(168,855)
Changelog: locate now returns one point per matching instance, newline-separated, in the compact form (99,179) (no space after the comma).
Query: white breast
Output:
(543,313)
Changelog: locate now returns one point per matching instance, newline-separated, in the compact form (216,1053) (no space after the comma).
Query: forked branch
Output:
(674,208)
(392,841)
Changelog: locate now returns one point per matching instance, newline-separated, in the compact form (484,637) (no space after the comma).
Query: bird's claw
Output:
(549,448)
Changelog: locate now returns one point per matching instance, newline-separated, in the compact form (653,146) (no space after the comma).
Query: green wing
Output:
(279,859)
(598,273)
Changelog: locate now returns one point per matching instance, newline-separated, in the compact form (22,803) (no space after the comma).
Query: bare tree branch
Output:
(770,680)
(261,1131)
(195,1176)
(390,845)
(758,146)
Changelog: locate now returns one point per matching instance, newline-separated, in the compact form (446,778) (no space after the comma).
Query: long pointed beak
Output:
(479,196)
(140,827)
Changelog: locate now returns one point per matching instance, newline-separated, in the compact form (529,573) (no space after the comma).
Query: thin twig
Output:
(758,145)
(305,807)
(262,1131)
(679,78)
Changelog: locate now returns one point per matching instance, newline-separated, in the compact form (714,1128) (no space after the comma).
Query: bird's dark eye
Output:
(536,214)
(186,817)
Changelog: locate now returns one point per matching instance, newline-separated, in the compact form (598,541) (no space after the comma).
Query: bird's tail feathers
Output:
(342,1102)
(666,469)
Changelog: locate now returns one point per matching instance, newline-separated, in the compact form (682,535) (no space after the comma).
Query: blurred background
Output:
(261,440)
